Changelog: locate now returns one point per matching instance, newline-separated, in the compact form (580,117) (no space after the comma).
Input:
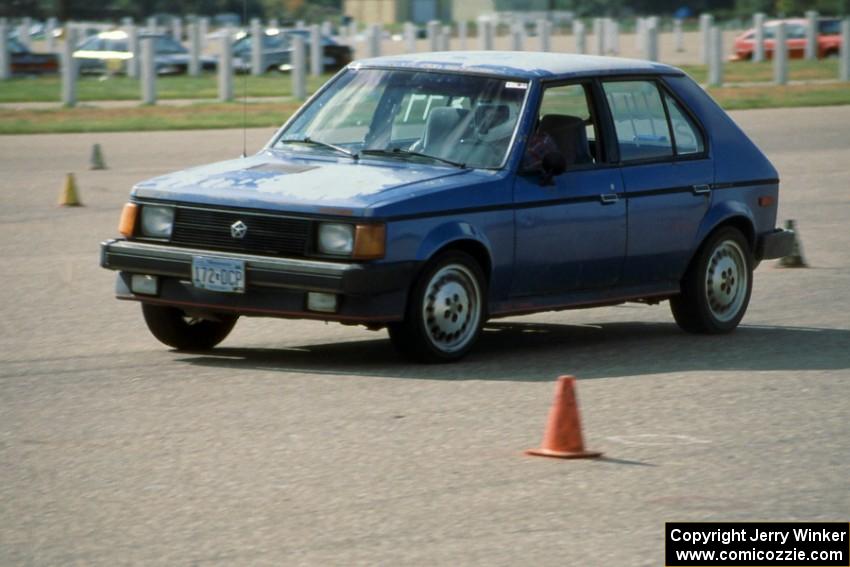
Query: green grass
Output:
(746,98)
(265,114)
(145,118)
(89,88)
(749,72)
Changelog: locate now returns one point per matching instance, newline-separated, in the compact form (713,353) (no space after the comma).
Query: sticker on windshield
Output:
(513,85)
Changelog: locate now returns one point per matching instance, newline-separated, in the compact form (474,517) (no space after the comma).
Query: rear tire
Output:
(173,328)
(717,286)
(445,311)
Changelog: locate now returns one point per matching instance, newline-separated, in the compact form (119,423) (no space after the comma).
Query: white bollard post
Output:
(148,71)
(445,37)
(844,64)
(705,23)
(678,36)
(48,35)
(640,29)
(650,48)
(715,62)
(204,24)
(598,37)
(69,69)
(257,47)
(225,67)
(300,24)
(758,37)
(151,25)
(780,56)
(135,51)
(374,40)
(5,56)
(580,37)
(410,37)
(613,36)
(194,48)
(544,32)
(462,32)
(327,29)
(485,34)
(299,72)
(24,33)
(317,52)
(177,29)
(517,37)
(811,51)
(433,32)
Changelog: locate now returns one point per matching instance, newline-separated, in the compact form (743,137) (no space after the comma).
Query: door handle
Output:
(609,198)
(701,189)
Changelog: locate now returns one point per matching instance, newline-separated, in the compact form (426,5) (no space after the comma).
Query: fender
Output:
(449,232)
(720,213)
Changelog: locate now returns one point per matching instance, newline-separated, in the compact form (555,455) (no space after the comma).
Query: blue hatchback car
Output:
(429,193)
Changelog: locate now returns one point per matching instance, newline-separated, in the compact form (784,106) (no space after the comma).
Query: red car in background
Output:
(828,39)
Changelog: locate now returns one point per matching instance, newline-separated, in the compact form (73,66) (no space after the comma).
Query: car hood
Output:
(270,180)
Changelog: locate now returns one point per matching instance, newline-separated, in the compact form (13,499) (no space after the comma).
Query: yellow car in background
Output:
(109,51)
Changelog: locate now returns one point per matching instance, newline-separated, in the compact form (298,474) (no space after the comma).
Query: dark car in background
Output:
(109,51)
(26,62)
(277,51)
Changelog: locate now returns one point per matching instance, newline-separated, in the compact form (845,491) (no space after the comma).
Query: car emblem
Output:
(238,229)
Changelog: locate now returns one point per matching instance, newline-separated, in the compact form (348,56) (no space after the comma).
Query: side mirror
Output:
(553,164)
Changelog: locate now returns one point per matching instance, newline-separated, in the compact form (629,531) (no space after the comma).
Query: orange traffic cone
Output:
(563,437)
(69,196)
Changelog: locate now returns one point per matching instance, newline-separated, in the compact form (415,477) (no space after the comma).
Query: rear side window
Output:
(639,119)
(686,135)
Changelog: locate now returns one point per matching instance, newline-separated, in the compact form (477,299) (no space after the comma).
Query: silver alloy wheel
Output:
(726,280)
(451,308)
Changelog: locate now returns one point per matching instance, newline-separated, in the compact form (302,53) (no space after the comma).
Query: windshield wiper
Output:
(312,142)
(399,152)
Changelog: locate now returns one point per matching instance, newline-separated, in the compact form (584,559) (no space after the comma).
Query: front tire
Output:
(717,286)
(173,328)
(445,312)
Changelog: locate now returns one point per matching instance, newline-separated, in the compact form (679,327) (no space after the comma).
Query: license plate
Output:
(218,274)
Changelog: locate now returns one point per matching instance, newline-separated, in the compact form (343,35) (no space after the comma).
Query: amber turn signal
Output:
(766,201)
(369,241)
(127,224)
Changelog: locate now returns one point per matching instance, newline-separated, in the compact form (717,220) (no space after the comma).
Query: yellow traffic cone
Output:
(69,197)
(97,158)
(795,258)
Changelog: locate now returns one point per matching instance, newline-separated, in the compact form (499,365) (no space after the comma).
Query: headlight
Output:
(336,239)
(157,222)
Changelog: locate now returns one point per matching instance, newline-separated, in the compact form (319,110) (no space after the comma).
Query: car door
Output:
(570,230)
(667,175)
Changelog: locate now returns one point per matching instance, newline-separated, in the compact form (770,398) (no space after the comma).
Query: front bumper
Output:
(275,287)
(775,244)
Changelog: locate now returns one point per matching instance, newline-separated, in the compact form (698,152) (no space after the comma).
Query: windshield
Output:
(400,114)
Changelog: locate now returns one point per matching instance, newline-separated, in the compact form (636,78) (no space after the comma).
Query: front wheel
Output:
(174,328)
(445,311)
(716,288)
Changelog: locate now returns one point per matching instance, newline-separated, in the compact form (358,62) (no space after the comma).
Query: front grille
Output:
(267,235)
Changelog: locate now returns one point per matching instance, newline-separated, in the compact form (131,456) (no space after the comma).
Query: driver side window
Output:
(565,125)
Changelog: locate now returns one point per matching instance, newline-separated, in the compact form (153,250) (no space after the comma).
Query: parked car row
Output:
(828,39)
(107,51)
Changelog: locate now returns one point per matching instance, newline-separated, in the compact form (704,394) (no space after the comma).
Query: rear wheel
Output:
(173,327)
(445,311)
(717,286)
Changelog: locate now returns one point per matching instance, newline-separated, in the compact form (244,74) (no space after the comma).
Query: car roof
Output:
(520,64)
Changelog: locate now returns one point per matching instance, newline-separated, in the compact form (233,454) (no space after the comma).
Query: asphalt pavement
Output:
(304,443)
